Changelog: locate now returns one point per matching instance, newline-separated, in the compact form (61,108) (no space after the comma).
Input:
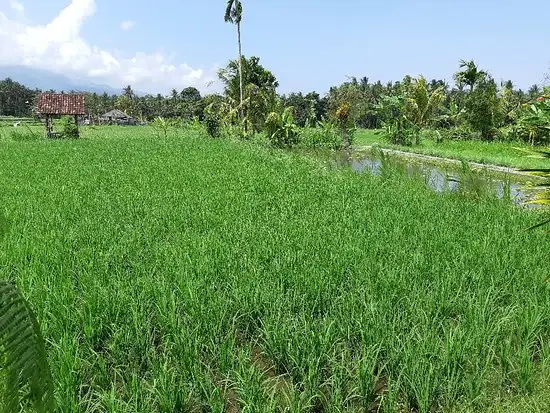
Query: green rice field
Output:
(186,274)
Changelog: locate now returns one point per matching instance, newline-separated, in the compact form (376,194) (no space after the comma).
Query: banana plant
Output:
(24,369)
(534,124)
(281,129)
(161,125)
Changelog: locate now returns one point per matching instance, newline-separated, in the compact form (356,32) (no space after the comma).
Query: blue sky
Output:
(308,44)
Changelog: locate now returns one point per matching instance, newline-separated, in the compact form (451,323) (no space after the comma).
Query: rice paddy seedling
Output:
(187,274)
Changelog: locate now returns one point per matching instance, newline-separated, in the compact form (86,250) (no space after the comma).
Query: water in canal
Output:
(442,176)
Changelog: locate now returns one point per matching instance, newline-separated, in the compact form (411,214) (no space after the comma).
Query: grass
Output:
(195,275)
(495,153)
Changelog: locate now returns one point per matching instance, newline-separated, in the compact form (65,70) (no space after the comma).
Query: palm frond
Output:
(228,8)
(24,367)
(233,12)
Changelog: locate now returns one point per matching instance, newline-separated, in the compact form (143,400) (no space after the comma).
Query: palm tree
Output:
(469,75)
(259,90)
(534,92)
(234,15)
(422,102)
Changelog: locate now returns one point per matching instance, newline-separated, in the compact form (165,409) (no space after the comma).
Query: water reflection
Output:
(442,177)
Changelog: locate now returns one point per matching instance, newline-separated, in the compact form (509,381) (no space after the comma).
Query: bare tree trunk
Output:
(241,75)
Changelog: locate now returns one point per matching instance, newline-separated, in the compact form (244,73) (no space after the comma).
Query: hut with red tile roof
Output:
(52,105)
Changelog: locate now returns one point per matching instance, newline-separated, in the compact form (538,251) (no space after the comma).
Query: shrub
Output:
(212,123)
(431,134)
(281,129)
(69,128)
(534,122)
(194,124)
(345,123)
(483,111)
(23,134)
(161,126)
(459,133)
(398,133)
(326,136)
(398,129)
(20,136)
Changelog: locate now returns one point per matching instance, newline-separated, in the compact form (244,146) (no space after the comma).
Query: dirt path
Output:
(473,165)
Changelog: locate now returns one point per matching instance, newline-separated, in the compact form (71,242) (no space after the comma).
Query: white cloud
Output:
(127,24)
(17,6)
(59,46)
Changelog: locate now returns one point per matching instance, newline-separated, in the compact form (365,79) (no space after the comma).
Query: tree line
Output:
(475,106)
(475,101)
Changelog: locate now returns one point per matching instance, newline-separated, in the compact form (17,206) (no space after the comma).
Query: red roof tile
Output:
(58,104)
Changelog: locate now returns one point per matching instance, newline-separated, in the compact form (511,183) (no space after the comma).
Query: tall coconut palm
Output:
(469,75)
(234,15)
(259,89)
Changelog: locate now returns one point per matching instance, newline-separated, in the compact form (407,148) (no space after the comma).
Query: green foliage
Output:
(213,123)
(416,107)
(398,132)
(233,12)
(470,75)
(326,135)
(453,113)
(397,128)
(24,372)
(533,125)
(161,126)
(352,94)
(483,111)
(345,123)
(196,274)
(4,225)
(69,128)
(422,104)
(434,135)
(308,109)
(281,129)
(542,197)
(16,99)
(259,90)
(473,185)
(24,134)
(474,150)
(510,102)
(128,102)
(459,133)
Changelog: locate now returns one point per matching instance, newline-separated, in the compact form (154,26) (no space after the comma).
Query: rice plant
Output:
(189,274)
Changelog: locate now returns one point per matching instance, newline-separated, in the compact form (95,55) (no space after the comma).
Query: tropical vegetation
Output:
(476,108)
(184,273)
(196,263)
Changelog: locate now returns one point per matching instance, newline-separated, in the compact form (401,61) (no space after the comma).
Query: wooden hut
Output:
(118,117)
(52,105)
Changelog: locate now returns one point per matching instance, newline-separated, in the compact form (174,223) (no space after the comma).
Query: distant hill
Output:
(46,80)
